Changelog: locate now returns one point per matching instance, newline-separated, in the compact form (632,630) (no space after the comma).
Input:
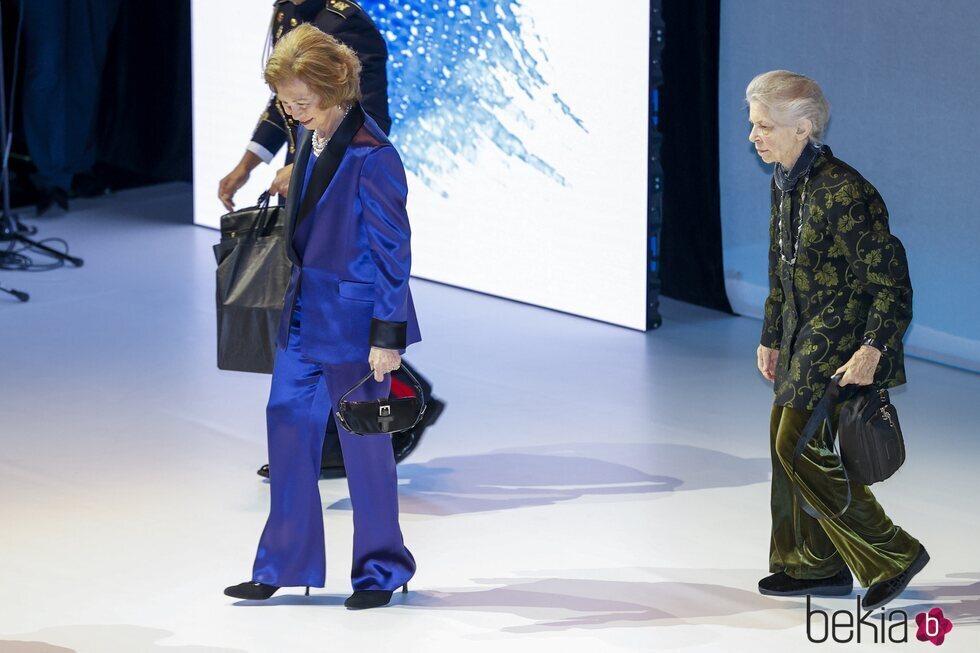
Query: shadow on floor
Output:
(294,596)
(538,476)
(13,646)
(960,603)
(564,603)
(117,638)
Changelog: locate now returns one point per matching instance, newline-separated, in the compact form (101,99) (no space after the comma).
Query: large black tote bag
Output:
(253,271)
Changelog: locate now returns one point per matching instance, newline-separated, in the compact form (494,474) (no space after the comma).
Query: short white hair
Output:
(790,97)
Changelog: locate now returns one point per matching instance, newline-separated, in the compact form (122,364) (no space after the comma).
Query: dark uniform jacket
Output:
(850,282)
(349,24)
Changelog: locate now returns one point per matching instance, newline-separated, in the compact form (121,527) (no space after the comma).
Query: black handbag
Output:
(251,279)
(871,444)
(381,416)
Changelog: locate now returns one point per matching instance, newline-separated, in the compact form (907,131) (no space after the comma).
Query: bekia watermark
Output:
(933,626)
(874,626)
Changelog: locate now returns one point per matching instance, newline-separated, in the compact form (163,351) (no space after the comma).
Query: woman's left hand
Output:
(280,185)
(383,361)
(860,370)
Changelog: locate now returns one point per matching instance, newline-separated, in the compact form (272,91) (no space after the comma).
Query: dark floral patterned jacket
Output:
(850,282)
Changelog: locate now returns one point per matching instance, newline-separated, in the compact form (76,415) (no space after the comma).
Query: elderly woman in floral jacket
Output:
(840,302)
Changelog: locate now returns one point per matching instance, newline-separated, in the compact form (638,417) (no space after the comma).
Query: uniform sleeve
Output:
(772,323)
(270,132)
(383,193)
(877,259)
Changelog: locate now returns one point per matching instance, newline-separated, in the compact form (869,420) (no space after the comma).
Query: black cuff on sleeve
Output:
(388,335)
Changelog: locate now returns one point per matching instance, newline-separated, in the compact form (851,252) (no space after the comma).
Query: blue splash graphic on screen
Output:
(453,69)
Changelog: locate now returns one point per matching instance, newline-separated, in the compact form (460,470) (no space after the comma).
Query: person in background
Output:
(351,25)
(65,47)
(840,302)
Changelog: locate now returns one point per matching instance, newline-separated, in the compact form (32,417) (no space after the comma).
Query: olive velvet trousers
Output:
(863,538)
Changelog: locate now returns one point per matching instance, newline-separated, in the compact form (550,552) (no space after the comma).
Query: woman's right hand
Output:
(767,359)
(280,185)
(228,186)
(235,179)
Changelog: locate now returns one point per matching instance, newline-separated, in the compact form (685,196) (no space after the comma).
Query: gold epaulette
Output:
(343,8)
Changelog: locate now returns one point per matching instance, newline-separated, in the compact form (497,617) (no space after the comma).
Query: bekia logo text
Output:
(844,626)
(873,626)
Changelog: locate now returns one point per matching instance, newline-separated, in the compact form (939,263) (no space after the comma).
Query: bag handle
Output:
(415,385)
(821,418)
(264,223)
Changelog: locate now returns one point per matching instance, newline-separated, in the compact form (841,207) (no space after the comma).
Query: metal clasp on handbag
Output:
(384,418)
(887,416)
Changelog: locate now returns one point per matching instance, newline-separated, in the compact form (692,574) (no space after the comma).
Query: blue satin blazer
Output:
(352,229)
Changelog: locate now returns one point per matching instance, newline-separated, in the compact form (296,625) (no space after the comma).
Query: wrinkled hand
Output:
(383,361)
(228,186)
(860,370)
(280,185)
(767,359)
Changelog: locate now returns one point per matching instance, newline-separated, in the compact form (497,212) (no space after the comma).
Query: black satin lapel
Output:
(329,160)
(295,187)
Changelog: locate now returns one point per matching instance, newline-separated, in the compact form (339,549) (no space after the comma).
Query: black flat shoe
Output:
(91,183)
(43,202)
(263,471)
(60,197)
(885,591)
(782,584)
(48,197)
(366,599)
(250,591)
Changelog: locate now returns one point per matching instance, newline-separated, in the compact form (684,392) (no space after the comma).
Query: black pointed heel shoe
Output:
(252,591)
(366,599)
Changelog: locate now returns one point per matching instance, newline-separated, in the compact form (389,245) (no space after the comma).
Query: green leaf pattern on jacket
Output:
(850,282)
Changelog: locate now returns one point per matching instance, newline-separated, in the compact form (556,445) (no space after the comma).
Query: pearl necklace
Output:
(799,229)
(320,143)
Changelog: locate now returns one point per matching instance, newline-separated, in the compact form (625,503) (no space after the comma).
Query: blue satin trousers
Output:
(291,551)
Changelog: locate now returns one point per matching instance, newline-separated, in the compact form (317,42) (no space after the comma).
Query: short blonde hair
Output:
(790,97)
(327,66)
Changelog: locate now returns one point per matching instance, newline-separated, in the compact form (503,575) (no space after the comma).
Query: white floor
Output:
(589,488)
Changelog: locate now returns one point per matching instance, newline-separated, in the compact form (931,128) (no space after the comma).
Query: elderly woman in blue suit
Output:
(348,310)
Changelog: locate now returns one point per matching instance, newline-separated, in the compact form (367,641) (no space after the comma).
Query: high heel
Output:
(307,590)
(250,591)
(366,599)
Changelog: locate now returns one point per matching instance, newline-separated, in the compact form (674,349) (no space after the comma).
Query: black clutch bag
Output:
(381,416)
(871,444)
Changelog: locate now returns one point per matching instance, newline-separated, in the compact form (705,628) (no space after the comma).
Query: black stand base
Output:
(33,244)
(19,294)
(12,229)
